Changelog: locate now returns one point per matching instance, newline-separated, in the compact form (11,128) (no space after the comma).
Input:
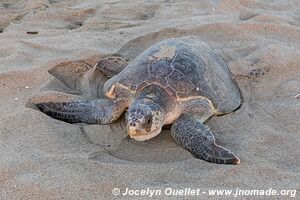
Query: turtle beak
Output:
(134,129)
(134,132)
(141,134)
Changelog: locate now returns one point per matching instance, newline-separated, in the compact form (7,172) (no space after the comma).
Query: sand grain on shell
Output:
(42,158)
(165,52)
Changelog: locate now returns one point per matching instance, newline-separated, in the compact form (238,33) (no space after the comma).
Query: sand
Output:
(43,158)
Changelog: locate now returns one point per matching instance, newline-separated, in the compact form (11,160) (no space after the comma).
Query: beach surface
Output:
(43,158)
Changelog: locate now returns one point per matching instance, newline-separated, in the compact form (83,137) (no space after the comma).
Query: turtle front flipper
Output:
(100,111)
(198,139)
(111,66)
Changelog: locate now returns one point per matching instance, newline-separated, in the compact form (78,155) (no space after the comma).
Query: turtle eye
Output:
(147,126)
(149,121)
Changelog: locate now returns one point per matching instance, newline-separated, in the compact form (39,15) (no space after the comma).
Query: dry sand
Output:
(42,158)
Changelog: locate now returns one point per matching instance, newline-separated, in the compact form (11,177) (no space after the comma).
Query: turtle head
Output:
(145,119)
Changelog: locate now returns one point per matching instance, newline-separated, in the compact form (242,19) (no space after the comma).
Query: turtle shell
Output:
(186,68)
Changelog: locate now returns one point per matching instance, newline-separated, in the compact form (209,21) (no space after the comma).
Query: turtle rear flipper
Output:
(111,66)
(198,139)
(100,111)
(70,72)
(80,77)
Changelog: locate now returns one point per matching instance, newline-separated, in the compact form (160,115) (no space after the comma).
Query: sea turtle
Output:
(179,81)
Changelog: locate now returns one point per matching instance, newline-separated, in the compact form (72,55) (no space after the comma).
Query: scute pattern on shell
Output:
(193,71)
